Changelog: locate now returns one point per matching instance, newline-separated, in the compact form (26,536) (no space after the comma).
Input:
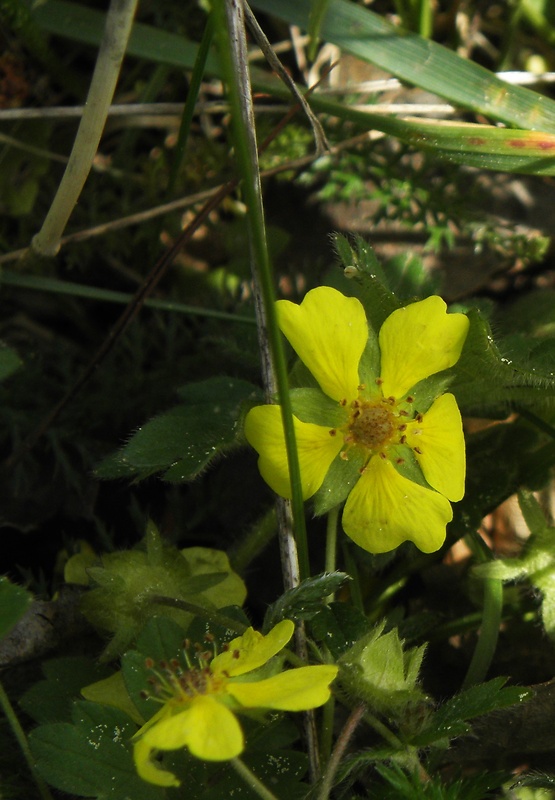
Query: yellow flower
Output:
(199,701)
(390,442)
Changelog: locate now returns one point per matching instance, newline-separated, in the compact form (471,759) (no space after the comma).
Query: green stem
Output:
(192,96)
(255,540)
(331,544)
(42,284)
(199,611)
(112,50)
(19,734)
(331,539)
(236,74)
(487,640)
(251,780)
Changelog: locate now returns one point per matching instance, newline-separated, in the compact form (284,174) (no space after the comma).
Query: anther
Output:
(400,461)
(343,455)
(149,663)
(361,387)
(383,455)
(403,439)
(391,400)
(410,399)
(417,450)
(379,381)
(343,402)
(333,432)
(419,418)
(402,427)
(236,654)
(403,413)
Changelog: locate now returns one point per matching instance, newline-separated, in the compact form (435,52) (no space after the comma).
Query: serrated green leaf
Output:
(450,719)
(92,757)
(305,600)
(185,440)
(51,700)
(14,602)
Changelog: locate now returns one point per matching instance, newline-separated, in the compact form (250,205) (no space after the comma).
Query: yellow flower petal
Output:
(440,437)
(146,768)
(315,446)
(252,649)
(417,341)
(208,728)
(385,509)
(328,331)
(293,690)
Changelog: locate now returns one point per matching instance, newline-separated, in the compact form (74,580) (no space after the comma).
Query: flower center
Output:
(180,681)
(371,426)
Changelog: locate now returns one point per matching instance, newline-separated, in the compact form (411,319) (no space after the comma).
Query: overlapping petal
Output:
(440,438)
(294,690)
(252,649)
(328,331)
(206,727)
(417,341)
(147,770)
(385,509)
(316,450)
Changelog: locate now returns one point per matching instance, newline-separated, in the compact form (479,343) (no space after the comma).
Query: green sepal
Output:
(369,279)
(127,581)
(369,365)
(339,481)
(426,391)
(404,461)
(312,405)
(161,640)
(379,671)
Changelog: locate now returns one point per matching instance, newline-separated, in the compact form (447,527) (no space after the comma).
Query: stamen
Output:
(379,381)
(383,455)
(333,432)
(419,418)
(400,461)
(402,427)
(403,439)
(343,455)
(410,399)
(343,402)
(417,450)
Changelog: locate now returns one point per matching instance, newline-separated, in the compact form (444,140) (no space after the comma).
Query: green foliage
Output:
(92,755)
(14,602)
(401,785)
(184,441)
(378,669)
(450,719)
(129,585)
(536,564)
(305,600)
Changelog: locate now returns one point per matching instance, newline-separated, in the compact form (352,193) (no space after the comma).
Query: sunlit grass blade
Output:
(420,62)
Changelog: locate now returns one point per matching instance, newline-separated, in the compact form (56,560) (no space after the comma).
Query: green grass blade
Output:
(420,62)
(407,55)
